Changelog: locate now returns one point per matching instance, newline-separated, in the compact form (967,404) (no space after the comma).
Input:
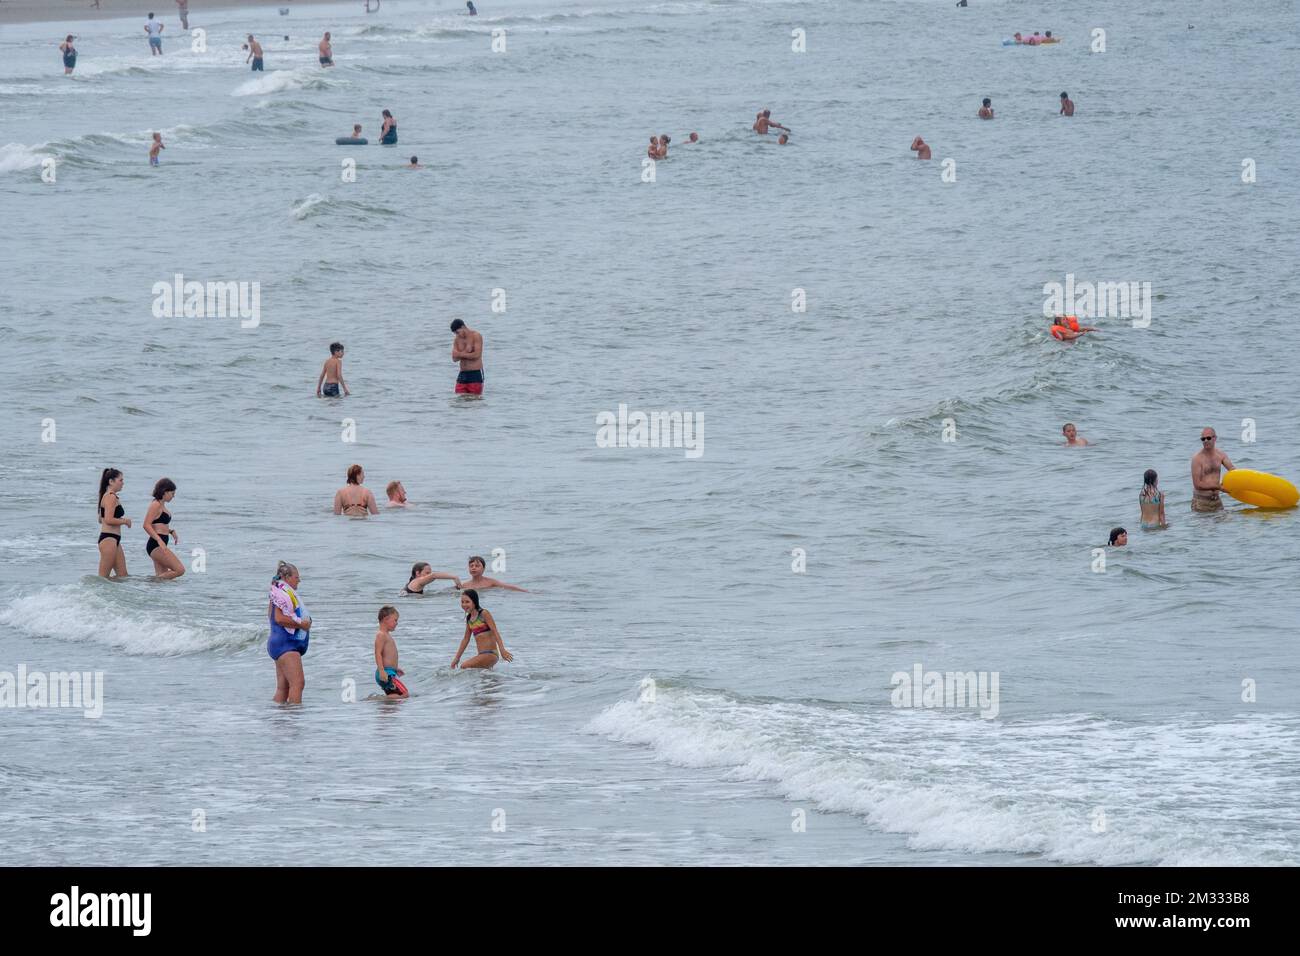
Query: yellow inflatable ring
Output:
(1259,488)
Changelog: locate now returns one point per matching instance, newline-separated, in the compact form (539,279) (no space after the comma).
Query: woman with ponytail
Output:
(112,560)
(290,627)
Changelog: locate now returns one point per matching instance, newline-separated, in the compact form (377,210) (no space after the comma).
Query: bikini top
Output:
(163,518)
(479,626)
(117,512)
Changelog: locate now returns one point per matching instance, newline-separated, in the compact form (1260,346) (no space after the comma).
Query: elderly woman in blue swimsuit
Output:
(290,625)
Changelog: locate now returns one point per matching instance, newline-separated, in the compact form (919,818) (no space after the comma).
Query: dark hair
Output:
(473,596)
(388,114)
(457,324)
(1115,533)
(109,474)
(1149,477)
(414,160)
(1065,96)
(352,474)
(385,611)
(336,347)
(69,38)
(415,570)
(475,557)
(987,101)
(164,485)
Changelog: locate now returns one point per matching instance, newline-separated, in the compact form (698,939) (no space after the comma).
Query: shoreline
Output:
(13,12)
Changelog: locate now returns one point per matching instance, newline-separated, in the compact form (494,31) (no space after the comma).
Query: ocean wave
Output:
(15,157)
(1184,792)
(316,204)
(74,612)
(283,81)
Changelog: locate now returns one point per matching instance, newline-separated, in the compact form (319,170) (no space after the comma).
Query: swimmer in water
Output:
(184,13)
(112,560)
(764,122)
(1151,502)
(154,29)
(1206,465)
(69,55)
(386,670)
(1072,438)
(155,149)
(920,148)
(479,583)
(331,375)
(422,574)
(782,139)
(467,349)
(290,634)
(388,134)
(326,51)
(1067,105)
(653,149)
(1066,328)
(693,138)
(396,494)
(487,639)
(986,110)
(157,525)
(1118,538)
(472,12)
(414,164)
(1018,38)
(354,499)
(254,54)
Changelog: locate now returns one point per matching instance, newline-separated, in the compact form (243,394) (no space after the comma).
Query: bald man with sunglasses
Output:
(1206,465)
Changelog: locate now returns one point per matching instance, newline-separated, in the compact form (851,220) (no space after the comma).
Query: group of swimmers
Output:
(1208,465)
(466,351)
(922,149)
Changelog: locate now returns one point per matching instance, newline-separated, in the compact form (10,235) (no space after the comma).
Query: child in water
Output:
(331,374)
(386,670)
(155,148)
(1151,502)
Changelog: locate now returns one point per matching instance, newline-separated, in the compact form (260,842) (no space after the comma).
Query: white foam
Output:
(282,81)
(304,209)
(15,157)
(1182,793)
(73,612)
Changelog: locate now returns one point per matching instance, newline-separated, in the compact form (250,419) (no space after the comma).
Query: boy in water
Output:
(1067,105)
(986,109)
(415,163)
(331,374)
(1072,436)
(155,148)
(479,583)
(386,670)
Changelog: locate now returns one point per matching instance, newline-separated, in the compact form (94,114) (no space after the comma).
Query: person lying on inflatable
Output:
(1066,328)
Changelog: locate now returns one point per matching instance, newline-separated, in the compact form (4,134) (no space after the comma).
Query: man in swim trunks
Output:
(185,13)
(764,122)
(1206,465)
(920,148)
(154,29)
(1067,105)
(386,670)
(467,349)
(1072,436)
(326,51)
(986,109)
(255,54)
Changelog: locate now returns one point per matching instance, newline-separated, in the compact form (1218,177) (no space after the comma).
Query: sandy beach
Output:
(56,11)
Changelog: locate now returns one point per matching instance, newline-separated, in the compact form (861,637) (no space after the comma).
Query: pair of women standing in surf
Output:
(157,525)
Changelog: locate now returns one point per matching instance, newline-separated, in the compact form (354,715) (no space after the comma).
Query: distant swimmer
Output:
(782,139)
(1151,502)
(479,583)
(467,349)
(112,560)
(396,494)
(386,670)
(184,13)
(1066,328)
(472,12)
(290,634)
(422,574)
(331,374)
(487,639)
(763,122)
(255,54)
(664,140)
(388,135)
(356,130)
(1118,538)
(693,138)
(920,148)
(354,499)
(326,51)
(1072,436)
(1067,105)
(1206,465)
(653,150)
(156,149)
(414,163)
(154,29)
(986,110)
(157,525)
(69,55)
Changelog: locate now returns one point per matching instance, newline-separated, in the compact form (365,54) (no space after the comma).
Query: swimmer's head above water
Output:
(476,560)
(469,602)
(1118,537)
(356,475)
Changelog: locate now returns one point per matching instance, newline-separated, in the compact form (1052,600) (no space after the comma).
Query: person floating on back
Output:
(1066,328)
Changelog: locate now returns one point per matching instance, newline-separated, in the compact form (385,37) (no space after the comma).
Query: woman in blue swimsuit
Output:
(290,625)
(1151,502)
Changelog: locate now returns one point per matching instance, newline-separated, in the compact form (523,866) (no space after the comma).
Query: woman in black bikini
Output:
(112,561)
(157,525)
(421,575)
(69,55)
(479,625)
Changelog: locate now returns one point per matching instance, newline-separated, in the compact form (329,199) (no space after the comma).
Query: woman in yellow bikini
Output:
(479,624)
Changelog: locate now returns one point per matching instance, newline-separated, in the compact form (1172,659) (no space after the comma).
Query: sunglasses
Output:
(1207,438)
